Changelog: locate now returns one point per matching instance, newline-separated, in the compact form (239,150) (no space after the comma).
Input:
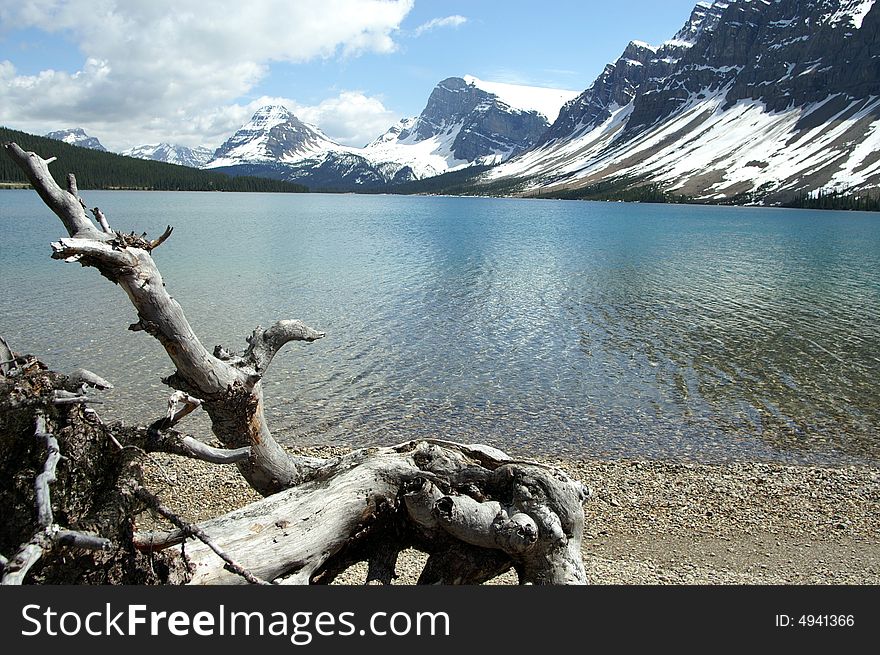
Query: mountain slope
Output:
(172,154)
(76,136)
(750,100)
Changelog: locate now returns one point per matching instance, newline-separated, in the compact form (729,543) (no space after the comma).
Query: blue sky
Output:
(143,71)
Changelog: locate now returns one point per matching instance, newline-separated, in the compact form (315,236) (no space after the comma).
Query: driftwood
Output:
(476,512)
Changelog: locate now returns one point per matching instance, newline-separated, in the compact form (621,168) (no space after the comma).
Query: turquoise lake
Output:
(538,326)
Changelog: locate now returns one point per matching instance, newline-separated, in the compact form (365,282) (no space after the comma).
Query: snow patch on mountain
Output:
(853,11)
(545,101)
(424,157)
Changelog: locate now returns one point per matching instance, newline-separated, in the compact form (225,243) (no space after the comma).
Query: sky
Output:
(134,72)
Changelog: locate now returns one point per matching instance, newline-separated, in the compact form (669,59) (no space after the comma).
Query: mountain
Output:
(76,136)
(276,144)
(465,122)
(750,100)
(172,154)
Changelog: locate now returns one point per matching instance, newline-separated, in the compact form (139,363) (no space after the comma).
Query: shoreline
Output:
(653,521)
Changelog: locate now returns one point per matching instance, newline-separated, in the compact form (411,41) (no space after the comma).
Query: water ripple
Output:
(560,327)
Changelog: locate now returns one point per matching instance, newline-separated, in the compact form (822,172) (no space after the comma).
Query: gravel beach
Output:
(654,522)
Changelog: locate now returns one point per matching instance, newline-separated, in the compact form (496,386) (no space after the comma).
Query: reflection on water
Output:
(559,327)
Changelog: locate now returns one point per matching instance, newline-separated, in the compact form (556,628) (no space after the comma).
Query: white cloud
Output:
(351,118)
(172,69)
(434,23)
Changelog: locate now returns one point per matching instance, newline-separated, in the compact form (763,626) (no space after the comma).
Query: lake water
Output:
(552,327)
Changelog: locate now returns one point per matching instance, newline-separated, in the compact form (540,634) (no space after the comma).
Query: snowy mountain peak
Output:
(267,117)
(704,17)
(76,136)
(466,121)
(274,135)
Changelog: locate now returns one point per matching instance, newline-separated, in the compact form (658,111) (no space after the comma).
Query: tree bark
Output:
(476,512)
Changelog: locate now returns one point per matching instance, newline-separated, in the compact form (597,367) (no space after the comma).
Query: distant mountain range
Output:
(172,154)
(466,122)
(751,101)
(96,169)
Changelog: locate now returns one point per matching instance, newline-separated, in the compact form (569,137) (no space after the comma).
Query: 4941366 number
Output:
(816,621)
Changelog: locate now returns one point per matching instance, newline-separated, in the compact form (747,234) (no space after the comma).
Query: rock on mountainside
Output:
(172,154)
(466,122)
(750,100)
(76,136)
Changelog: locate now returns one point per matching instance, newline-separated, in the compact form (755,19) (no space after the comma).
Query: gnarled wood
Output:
(475,511)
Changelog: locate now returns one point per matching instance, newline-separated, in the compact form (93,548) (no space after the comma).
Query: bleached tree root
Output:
(473,510)
(528,517)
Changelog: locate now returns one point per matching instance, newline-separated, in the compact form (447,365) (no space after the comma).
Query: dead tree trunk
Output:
(472,509)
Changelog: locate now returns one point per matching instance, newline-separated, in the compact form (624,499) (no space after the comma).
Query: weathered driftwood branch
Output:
(155,243)
(231,392)
(7,357)
(48,535)
(80,378)
(472,509)
(293,537)
(102,220)
(172,442)
(47,476)
(65,204)
(189,529)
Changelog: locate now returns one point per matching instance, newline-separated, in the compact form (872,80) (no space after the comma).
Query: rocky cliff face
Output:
(787,53)
(632,75)
(486,125)
(751,99)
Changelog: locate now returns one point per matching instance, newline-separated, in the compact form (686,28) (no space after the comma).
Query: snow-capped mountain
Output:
(172,154)
(273,135)
(76,136)
(749,100)
(275,143)
(465,122)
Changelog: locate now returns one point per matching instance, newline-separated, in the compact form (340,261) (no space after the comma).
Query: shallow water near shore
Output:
(557,327)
